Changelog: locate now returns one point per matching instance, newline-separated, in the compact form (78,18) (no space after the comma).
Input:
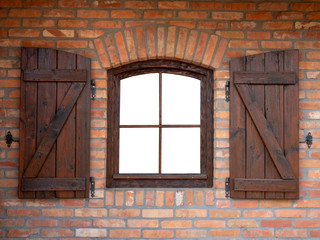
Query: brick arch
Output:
(160,41)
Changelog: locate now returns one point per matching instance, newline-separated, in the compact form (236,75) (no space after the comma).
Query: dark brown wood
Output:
(160,123)
(291,115)
(237,131)
(28,111)
(268,185)
(46,111)
(55,75)
(162,126)
(274,115)
(266,78)
(114,179)
(82,128)
(53,184)
(160,176)
(271,130)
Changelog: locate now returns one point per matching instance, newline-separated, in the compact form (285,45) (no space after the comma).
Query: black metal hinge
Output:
(227,89)
(227,187)
(93,90)
(93,188)
(9,139)
(308,140)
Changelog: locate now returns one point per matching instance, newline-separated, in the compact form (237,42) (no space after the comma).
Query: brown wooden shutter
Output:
(54,124)
(264,125)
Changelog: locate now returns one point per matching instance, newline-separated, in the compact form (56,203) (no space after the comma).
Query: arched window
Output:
(160,125)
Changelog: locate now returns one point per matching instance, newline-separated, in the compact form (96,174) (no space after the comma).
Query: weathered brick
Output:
(57,212)
(158,14)
(106,4)
(261,213)
(176,224)
(72,44)
(243,25)
(157,233)
(224,213)
(247,223)
(139,4)
(305,6)
(258,233)
(190,213)
(307,25)
(41,223)
(89,33)
(129,198)
(224,232)
(24,13)
(271,6)
(19,233)
(72,3)
(276,223)
(296,233)
(107,24)
(286,35)
(192,15)
(191,233)
(92,13)
(124,212)
(91,232)
(137,223)
(157,213)
(75,223)
(125,233)
(58,13)
(210,223)
(23,212)
(287,15)
(258,15)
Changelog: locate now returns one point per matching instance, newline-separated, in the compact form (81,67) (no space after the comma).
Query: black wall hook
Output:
(9,139)
(308,140)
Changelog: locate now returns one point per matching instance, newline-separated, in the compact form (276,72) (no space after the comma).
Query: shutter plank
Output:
(291,114)
(237,128)
(53,184)
(28,113)
(83,130)
(268,78)
(53,131)
(268,185)
(255,147)
(66,140)
(274,115)
(54,75)
(266,134)
(46,111)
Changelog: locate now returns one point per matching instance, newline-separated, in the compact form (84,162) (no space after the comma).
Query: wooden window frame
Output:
(202,180)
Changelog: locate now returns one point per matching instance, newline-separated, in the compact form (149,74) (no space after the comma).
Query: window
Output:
(160,124)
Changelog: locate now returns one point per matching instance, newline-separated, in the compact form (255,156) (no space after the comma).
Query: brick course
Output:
(114,33)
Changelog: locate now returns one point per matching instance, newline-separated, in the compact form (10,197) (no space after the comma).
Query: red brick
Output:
(73,23)
(75,223)
(179,198)
(276,44)
(173,4)
(310,65)
(314,233)
(206,5)
(307,223)
(276,25)
(119,198)
(171,40)
(209,198)
(24,32)
(124,14)
(261,213)
(191,233)
(312,35)
(314,173)
(60,33)
(270,6)
(140,36)
(39,3)
(212,25)
(41,223)
(224,232)
(109,223)
(40,203)
(158,14)
(314,194)
(209,224)
(11,222)
(224,213)
(139,4)
(176,224)
(9,23)
(157,233)
(258,233)
(92,13)
(296,233)
(210,49)
(38,43)
(227,15)
(57,212)
(130,44)
(190,213)
(72,44)
(276,223)
(136,223)
(287,15)
(169,198)
(72,202)
(106,4)
(11,203)
(286,35)
(57,232)
(307,45)
(258,15)
(89,33)
(242,223)
(230,34)
(38,23)
(313,15)
(124,213)
(72,3)
(91,232)
(124,233)
(243,44)
(10,3)
(129,198)
(24,13)
(107,24)
(243,25)
(19,233)
(93,212)
(305,6)
(239,6)
(307,25)
(157,213)
(151,42)
(192,15)
(245,204)
(23,212)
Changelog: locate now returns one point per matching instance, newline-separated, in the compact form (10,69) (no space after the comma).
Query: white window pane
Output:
(180,150)
(139,99)
(139,150)
(180,99)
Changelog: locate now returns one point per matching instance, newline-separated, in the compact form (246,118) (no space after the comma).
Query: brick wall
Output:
(113,33)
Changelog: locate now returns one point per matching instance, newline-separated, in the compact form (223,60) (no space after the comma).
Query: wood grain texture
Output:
(268,185)
(53,184)
(55,75)
(267,78)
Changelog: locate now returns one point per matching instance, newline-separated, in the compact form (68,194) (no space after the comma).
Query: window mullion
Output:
(160,119)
